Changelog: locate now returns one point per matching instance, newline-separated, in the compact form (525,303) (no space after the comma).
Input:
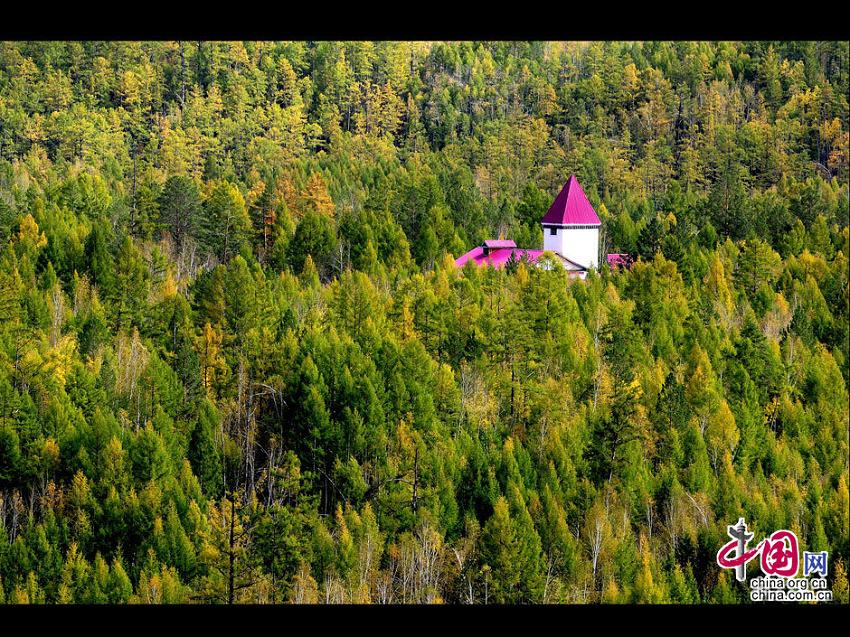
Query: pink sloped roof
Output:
(497,257)
(475,255)
(499,243)
(619,260)
(571,207)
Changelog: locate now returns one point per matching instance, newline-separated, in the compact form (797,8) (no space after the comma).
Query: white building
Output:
(570,230)
(571,226)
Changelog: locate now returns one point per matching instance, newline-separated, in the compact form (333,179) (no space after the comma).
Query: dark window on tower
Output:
(553,231)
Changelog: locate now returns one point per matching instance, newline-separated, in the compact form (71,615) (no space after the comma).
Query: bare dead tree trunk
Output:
(549,576)
(232,554)
(415,478)
(133,209)
(182,75)
(596,548)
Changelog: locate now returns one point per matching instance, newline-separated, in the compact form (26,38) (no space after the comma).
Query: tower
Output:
(571,226)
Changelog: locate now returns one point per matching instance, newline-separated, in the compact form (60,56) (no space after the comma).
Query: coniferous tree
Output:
(180,208)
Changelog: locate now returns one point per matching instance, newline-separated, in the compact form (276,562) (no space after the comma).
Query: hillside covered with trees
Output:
(237,363)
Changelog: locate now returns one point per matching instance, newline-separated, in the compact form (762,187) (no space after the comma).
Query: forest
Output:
(239,365)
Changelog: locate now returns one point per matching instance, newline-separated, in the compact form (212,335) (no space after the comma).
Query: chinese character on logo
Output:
(780,555)
(814,563)
(734,554)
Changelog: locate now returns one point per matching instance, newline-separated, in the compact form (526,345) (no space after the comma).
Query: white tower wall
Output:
(580,245)
(555,242)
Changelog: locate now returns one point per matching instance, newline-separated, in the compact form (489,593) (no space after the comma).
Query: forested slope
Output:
(237,363)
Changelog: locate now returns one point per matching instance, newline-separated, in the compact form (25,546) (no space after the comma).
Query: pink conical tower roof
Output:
(571,207)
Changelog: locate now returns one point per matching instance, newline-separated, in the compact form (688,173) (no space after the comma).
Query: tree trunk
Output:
(232,555)
(415,478)
(182,75)
(133,210)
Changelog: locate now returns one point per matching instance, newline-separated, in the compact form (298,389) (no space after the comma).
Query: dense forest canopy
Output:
(237,363)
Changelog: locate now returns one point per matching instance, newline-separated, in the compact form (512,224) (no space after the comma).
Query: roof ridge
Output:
(571,207)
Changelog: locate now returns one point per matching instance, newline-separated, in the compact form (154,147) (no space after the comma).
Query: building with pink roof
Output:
(499,243)
(571,226)
(616,261)
(571,208)
(570,234)
(499,257)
